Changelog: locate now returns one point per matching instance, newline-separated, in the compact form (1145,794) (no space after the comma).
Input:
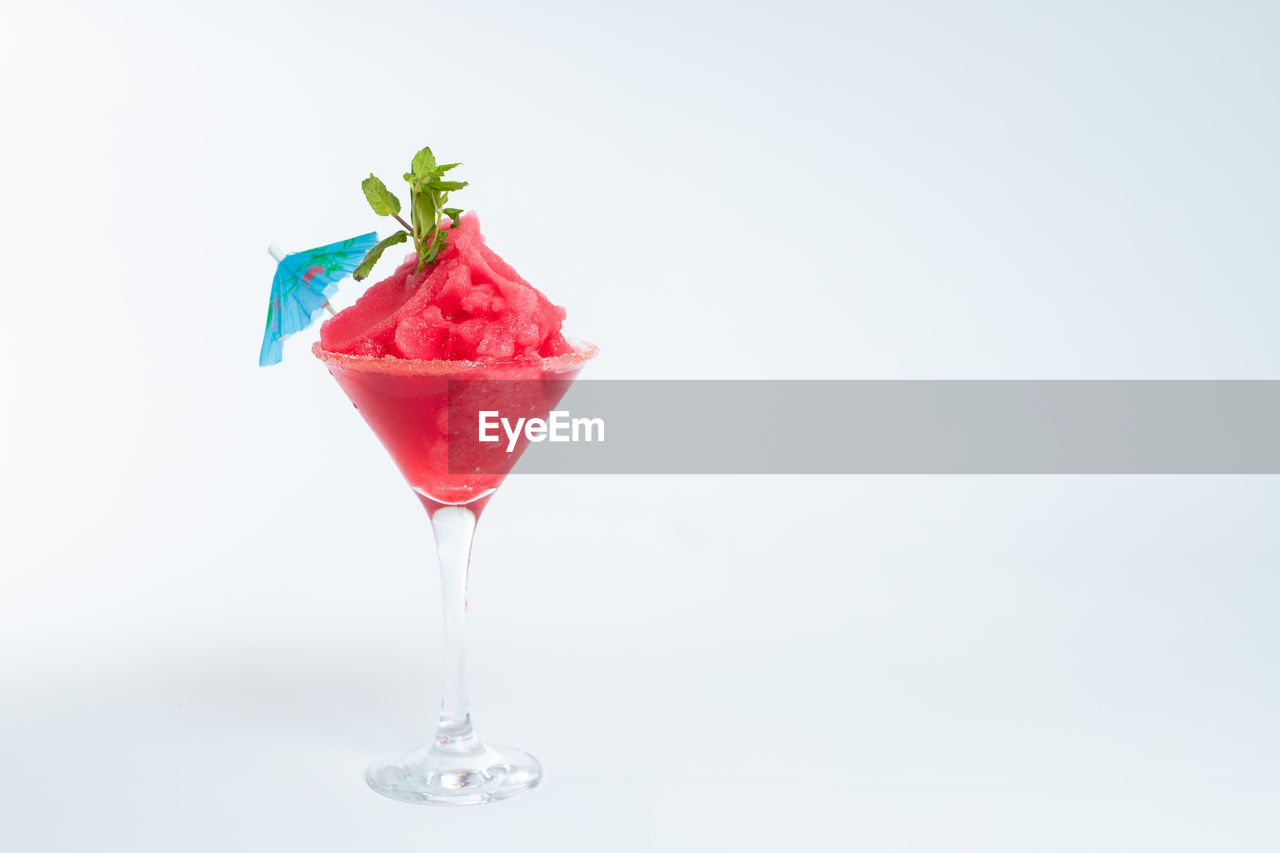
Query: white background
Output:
(217,600)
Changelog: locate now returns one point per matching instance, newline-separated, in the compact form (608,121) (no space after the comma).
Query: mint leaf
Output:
(454,214)
(446,186)
(366,266)
(383,202)
(423,161)
(446,167)
(424,210)
(430,248)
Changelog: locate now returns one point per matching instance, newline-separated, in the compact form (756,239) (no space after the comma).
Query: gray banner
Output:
(888,427)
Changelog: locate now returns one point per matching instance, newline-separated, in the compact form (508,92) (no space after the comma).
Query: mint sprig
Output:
(428,195)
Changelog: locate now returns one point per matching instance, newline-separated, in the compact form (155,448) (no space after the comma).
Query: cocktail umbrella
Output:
(303,284)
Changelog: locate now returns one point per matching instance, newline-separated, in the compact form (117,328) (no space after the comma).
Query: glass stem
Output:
(454,527)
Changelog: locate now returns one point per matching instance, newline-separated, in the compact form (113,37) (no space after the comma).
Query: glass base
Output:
(482,774)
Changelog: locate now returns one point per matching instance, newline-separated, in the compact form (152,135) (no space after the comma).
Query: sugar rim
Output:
(582,353)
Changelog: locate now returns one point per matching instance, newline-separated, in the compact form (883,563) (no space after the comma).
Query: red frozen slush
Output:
(409,352)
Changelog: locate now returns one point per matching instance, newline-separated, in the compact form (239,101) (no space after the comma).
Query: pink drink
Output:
(453,332)
(409,348)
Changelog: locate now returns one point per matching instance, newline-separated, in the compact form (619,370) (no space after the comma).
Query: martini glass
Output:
(418,410)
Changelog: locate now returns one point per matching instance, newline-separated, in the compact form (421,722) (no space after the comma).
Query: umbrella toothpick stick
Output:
(302,285)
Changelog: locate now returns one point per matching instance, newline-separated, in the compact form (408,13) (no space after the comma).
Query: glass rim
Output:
(390,364)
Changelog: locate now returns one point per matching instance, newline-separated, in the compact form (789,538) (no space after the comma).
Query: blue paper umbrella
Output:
(303,284)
